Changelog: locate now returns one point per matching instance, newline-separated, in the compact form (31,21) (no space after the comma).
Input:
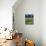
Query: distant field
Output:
(28,21)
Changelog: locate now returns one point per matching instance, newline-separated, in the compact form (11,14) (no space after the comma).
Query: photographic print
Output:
(29,18)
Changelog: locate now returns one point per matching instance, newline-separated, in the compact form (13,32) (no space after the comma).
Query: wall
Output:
(43,22)
(6,13)
(29,31)
(6,16)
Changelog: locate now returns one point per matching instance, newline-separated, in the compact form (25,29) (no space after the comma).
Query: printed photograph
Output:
(29,19)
